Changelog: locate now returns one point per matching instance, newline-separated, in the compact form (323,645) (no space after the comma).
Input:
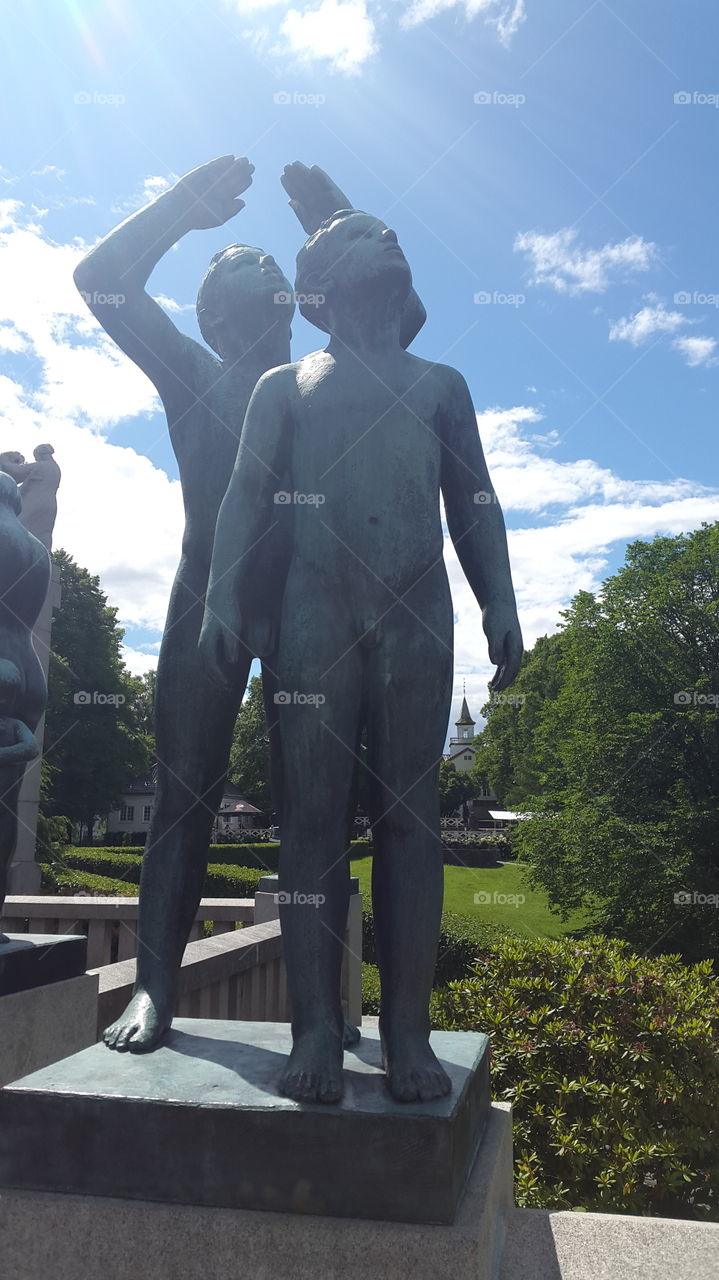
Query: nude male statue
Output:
(354,593)
(244,309)
(24,581)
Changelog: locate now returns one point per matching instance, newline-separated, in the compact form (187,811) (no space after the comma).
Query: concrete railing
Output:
(110,923)
(239,975)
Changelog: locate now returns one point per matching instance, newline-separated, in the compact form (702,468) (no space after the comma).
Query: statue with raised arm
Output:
(244,309)
(38,482)
(351,597)
(24,581)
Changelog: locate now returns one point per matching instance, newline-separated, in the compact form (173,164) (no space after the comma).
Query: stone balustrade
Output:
(238,975)
(110,923)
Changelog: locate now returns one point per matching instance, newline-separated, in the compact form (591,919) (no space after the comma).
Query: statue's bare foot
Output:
(413,1070)
(314,1070)
(352,1035)
(140,1028)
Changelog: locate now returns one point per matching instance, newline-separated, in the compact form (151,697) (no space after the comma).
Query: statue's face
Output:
(252,294)
(359,251)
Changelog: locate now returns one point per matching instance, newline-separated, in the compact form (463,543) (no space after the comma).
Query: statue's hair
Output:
(315,260)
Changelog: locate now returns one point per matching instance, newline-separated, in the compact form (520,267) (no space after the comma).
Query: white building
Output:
(135,809)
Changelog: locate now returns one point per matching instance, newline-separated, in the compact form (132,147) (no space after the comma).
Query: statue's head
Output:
(9,494)
(243,298)
(42,452)
(16,459)
(351,258)
(11,684)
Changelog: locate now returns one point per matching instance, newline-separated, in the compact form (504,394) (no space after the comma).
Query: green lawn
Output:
(531,916)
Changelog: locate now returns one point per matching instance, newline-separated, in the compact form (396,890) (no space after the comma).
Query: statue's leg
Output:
(194,721)
(409,693)
(318,744)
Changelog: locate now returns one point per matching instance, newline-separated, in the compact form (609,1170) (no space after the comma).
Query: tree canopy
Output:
(615,749)
(95,731)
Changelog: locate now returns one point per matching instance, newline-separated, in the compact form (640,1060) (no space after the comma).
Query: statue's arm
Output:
(112,277)
(25,748)
(476,526)
(253,534)
(315,197)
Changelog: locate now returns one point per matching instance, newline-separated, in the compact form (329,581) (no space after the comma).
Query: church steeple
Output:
(464,717)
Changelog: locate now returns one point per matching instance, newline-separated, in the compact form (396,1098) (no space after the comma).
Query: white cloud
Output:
(557,260)
(340,32)
(644,324)
(506,17)
(697,351)
(344,33)
(581,514)
(118,514)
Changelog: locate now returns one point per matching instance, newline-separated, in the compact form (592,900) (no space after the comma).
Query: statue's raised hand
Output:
(313,194)
(209,194)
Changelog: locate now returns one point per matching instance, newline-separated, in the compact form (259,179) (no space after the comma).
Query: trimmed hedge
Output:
(54,880)
(611,1062)
(460,941)
(121,867)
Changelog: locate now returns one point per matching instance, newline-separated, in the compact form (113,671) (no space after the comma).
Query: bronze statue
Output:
(244,307)
(344,584)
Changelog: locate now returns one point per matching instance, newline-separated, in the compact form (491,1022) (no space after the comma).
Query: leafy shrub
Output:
(611,1062)
(460,941)
(225,881)
(370,990)
(55,880)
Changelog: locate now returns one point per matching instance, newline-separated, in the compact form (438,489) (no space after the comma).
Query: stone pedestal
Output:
(48,1004)
(42,1025)
(39,959)
(71,1237)
(267,908)
(199,1122)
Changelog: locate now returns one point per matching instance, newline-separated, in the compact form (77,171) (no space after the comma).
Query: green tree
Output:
(626,753)
(454,788)
(250,752)
(506,754)
(94,741)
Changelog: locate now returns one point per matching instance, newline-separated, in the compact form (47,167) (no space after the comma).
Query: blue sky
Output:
(533,154)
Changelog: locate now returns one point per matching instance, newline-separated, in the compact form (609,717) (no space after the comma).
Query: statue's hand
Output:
(220,648)
(209,193)
(313,194)
(504,639)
